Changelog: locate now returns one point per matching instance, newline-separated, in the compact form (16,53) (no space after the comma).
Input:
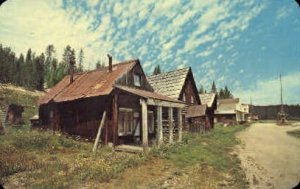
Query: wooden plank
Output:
(154,102)
(144,123)
(129,148)
(170,125)
(115,119)
(179,118)
(99,131)
(159,125)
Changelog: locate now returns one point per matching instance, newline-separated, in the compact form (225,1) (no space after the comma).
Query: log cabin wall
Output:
(189,93)
(80,117)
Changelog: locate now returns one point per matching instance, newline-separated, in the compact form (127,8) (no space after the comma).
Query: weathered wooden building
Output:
(135,113)
(204,112)
(230,111)
(198,119)
(210,99)
(177,84)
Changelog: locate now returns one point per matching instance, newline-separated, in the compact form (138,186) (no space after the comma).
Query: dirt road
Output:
(270,157)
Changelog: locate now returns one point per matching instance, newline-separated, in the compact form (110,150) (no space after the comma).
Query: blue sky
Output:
(242,44)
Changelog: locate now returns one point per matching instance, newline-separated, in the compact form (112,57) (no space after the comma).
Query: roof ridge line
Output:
(169,71)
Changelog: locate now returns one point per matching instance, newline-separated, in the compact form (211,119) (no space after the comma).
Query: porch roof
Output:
(153,98)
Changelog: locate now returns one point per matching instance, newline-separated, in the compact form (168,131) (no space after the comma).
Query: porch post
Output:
(179,124)
(114,120)
(144,123)
(159,133)
(170,125)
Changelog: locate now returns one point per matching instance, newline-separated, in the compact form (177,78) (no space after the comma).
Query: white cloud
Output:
(35,24)
(267,92)
(157,31)
(282,13)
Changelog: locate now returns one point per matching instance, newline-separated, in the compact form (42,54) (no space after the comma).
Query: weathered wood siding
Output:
(189,89)
(128,78)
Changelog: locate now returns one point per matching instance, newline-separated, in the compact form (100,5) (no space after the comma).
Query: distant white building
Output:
(231,111)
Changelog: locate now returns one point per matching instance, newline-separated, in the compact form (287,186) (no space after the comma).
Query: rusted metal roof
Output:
(207,98)
(87,84)
(196,111)
(169,83)
(147,94)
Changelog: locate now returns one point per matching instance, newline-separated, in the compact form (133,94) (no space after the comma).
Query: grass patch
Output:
(51,160)
(294,133)
(18,95)
(213,150)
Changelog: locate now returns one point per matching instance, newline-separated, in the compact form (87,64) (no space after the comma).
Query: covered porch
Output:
(143,118)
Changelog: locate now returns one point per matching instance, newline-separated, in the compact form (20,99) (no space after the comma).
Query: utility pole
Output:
(281,109)
(282,116)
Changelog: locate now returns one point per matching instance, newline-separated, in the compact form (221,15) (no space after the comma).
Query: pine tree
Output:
(99,65)
(80,61)
(221,94)
(201,90)
(49,63)
(40,70)
(213,87)
(157,70)
(28,72)
(227,93)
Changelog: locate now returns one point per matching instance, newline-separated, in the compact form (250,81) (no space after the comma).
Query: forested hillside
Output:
(270,112)
(37,71)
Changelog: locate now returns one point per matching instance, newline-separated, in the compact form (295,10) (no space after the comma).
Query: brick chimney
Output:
(109,62)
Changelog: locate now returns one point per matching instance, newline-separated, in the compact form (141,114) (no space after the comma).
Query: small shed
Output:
(210,99)
(14,114)
(198,118)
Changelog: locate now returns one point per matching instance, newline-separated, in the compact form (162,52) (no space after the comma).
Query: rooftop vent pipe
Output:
(109,62)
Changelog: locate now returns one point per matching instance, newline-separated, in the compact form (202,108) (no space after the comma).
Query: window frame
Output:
(125,123)
(137,80)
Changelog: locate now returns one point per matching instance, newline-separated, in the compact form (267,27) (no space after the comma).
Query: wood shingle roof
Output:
(207,98)
(169,83)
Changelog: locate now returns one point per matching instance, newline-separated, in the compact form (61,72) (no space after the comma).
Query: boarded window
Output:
(125,122)
(137,80)
(192,99)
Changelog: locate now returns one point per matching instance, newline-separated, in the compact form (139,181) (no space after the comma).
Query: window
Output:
(192,99)
(125,121)
(183,97)
(51,114)
(151,122)
(137,80)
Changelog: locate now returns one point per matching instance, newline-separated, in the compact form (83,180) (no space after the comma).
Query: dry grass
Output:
(44,159)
